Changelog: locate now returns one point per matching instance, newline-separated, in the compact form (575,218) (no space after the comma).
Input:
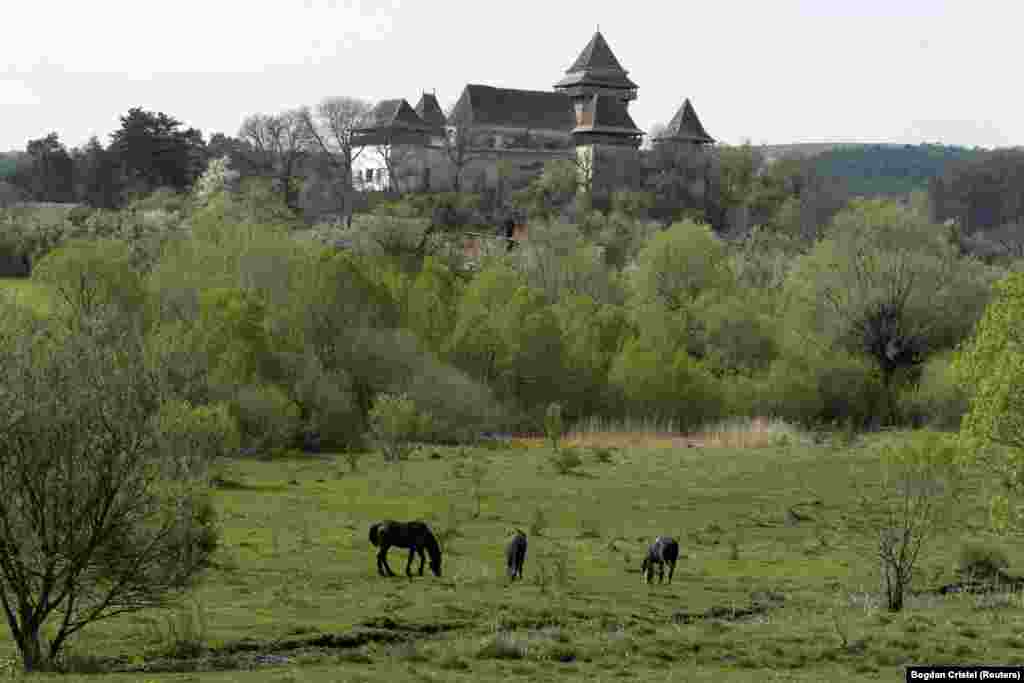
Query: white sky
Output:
(778,71)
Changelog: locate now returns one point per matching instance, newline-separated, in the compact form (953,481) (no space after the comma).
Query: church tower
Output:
(605,137)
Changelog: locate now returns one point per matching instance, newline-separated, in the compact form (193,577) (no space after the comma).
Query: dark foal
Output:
(416,536)
(515,554)
(663,551)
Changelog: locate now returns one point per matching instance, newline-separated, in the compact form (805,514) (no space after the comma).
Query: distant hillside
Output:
(876,169)
(7,165)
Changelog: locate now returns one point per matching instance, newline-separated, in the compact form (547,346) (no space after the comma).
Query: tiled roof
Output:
(430,111)
(605,114)
(487,105)
(596,55)
(396,114)
(686,126)
(596,65)
(392,122)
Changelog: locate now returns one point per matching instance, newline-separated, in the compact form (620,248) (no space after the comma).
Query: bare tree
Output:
(281,142)
(97,517)
(460,146)
(396,153)
(333,131)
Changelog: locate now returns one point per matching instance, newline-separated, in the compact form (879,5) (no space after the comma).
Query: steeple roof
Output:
(596,55)
(430,111)
(686,126)
(596,65)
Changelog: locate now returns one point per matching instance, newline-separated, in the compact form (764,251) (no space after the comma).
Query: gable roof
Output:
(430,111)
(396,114)
(605,114)
(686,126)
(486,105)
(596,65)
(392,122)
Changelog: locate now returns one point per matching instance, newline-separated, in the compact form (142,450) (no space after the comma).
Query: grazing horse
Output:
(416,536)
(515,553)
(663,550)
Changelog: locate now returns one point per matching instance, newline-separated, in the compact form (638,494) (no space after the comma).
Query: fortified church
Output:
(511,133)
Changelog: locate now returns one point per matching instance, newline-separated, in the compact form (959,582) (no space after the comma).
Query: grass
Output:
(296,596)
(31,293)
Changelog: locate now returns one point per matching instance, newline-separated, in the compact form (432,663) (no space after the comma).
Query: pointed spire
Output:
(597,67)
(596,55)
(686,126)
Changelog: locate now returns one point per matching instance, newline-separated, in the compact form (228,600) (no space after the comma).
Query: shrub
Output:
(566,460)
(266,418)
(554,426)
(937,401)
(208,431)
(981,561)
(13,260)
(395,423)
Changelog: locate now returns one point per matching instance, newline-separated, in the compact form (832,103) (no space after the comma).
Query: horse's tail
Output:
(375,533)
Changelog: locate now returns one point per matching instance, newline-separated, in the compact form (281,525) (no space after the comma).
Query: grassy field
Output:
(296,596)
(28,292)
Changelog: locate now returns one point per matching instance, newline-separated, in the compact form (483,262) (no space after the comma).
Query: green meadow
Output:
(295,595)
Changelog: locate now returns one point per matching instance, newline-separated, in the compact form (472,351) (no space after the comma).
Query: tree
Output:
(46,172)
(461,145)
(990,368)
(97,175)
(154,152)
(912,502)
(885,284)
(280,142)
(333,131)
(94,521)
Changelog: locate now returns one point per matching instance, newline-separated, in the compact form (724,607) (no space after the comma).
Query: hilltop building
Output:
(505,135)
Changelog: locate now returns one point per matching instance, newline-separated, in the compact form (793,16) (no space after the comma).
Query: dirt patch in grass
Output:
(250,653)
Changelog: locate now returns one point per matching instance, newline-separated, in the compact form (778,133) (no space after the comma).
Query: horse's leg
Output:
(661,572)
(382,561)
(671,570)
(423,558)
(408,566)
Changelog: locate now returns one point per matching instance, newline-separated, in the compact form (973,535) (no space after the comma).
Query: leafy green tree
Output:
(679,265)
(95,521)
(886,285)
(593,334)
(508,337)
(155,152)
(665,383)
(433,304)
(990,368)
(88,275)
(49,175)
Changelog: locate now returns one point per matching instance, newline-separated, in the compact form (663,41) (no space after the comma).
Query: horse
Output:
(663,550)
(416,536)
(515,553)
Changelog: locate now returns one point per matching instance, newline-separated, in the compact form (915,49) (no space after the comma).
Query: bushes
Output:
(937,401)
(395,423)
(14,261)
(266,418)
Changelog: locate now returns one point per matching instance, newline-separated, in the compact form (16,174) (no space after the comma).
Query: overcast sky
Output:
(778,71)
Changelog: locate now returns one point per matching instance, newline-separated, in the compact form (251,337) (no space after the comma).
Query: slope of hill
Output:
(876,169)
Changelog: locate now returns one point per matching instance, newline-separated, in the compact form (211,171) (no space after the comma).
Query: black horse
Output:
(663,551)
(515,554)
(416,536)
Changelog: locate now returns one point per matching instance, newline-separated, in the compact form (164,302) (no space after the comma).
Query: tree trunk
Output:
(31,649)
